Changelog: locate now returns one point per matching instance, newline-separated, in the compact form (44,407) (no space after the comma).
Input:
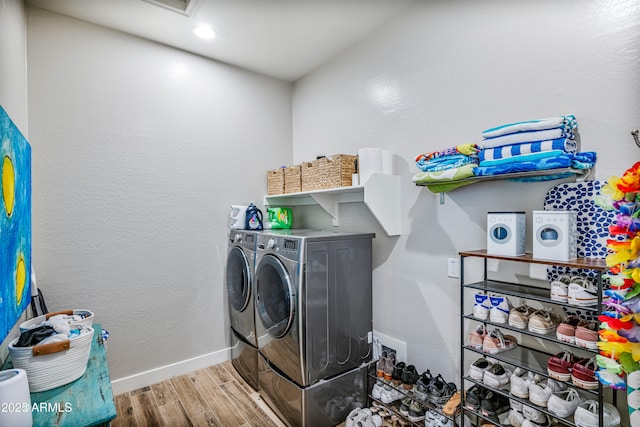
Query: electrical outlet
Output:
(453,268)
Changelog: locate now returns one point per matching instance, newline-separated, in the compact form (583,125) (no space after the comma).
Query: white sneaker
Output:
(560,288)
(564,403)
(587,415)
(497,376)
(478,368)
(534,418)
(390,394)
(541,389)
(543,322)
(516,418)
(481,306)
(582,292)
(520,381)
(376,392)
(500,308)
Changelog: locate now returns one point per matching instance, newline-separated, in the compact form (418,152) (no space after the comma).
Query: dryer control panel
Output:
(287,247)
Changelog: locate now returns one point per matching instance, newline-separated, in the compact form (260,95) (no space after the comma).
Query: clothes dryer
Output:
(314,302)
(239,275)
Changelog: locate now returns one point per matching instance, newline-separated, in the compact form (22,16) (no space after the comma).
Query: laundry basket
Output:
(87,318)
(52,365)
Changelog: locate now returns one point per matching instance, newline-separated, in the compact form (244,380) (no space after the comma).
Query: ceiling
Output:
(285,39)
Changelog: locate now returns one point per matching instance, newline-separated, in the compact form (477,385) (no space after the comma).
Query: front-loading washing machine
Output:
(239,273)
(313,321)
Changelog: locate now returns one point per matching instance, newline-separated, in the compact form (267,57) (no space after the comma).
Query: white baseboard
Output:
(143,379)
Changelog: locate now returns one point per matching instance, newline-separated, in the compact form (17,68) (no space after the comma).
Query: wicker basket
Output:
(328,172)
(293,179)
(52,365)
(36,321)
(275,181)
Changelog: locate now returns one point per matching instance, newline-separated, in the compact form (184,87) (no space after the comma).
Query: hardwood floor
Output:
(214,396)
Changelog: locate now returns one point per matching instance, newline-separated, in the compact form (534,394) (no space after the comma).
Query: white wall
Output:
(13,80)
(436,77)
(138,152)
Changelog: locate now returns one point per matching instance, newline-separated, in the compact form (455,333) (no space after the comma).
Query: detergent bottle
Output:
(253,218)
(237,217)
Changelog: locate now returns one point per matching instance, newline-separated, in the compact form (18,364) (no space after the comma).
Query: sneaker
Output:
(543,322)
(476,337)
(587,335)
(520,382)
(566,331)
(500,308)
(583,374)
(390,394)
(404,406)
(478,368)
(452,406)
(541,389)
(440,391)
(396,375)
(534,418)
(421,390)
(559,366)
(381,364)
(376,392)
(496,342)
(416,412)
(560,288)
(493,405)
(409,377)
(564,403)
(473,398)
(481,306)
(582,292)
(497,376)
(389,364)
(586,415)
(516,418)
(519,316)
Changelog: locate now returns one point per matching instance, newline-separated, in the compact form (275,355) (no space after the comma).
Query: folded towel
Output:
(504,151)
(531,157)
(584,160)
(556,162)
(466,149)
(445,180)
(530,136)
(446,162)
(567,123)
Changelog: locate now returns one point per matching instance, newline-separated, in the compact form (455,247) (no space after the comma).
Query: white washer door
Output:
(275,296)
(500,233)
(549,235)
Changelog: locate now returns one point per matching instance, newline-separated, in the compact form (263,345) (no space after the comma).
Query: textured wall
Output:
(139,151)
(438,76)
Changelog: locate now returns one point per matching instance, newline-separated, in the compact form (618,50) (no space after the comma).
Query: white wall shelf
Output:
(381,195)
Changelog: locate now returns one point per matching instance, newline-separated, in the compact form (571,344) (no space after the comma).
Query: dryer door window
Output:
(238,279)
(274,296)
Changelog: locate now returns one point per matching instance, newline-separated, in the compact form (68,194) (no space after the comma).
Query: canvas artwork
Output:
(15,224)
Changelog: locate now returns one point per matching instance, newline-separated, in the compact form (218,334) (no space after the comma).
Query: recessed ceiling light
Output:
(204,32)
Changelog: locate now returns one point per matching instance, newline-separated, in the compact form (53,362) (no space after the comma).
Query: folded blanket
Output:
(445,180)
(567,123)
(504,151)
(466,149)
(531,157)
(446,162)
(530,136)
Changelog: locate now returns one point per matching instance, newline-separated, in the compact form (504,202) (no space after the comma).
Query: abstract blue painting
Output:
(15,224)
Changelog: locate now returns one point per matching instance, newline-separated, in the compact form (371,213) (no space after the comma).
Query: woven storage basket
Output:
(293,179)
(328,172)
(275,181)
(36,321)
(52,365)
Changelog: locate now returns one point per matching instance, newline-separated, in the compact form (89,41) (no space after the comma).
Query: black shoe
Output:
(440,391)
(396,376)
(493,405)
(409,377)
(421,390)
(474,397)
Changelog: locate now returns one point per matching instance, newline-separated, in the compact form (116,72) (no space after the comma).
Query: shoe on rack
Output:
(452,406)
(587,335)
(519,316)
(582,292)
(421,390)
(396,376)
(404,406)
(541,389)
(516,418)
(500,308)
(390,394)
(497,376)
(389,364)
(586,415)
(493,405)
(543,322)
(535,418)
(476,337)
(440,391)
(520,382)
(566,331)
(376,392)
(560,288)
(416,412)
(496,342)
(583,374)
(481,306)
(478,368)
(473,398)
(559,366)
(409,377)
(564,403)
(381,364)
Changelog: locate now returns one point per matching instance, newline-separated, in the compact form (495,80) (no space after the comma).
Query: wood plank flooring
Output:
(214,397)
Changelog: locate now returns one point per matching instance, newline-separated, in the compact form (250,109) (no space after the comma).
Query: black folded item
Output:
(34,336)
